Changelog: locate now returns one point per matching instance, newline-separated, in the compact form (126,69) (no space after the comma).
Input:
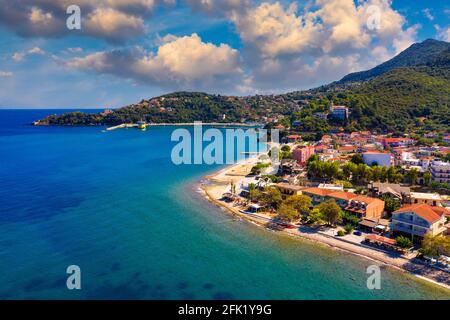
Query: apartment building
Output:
(417,220)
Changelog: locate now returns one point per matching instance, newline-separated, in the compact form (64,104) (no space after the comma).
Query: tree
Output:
(435,246)
(427,178)
(393,175)
(331,211)
(357,158)
(411,176)
(316,216)
(287,213)
(403,242)
(349,169)
(271,197)
(286,148)
(301,203)
(391,203)
(253,192)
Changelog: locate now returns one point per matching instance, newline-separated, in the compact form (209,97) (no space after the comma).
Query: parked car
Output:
(357,233)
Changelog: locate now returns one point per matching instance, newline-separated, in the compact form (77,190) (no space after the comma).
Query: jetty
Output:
(122,126)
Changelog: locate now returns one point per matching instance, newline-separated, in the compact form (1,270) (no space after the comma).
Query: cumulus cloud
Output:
(273,30)
(325,41)
(112,20)
(181,63)
(283,46)
(113,25)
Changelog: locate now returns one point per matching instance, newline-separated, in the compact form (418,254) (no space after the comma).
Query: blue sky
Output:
(128,50)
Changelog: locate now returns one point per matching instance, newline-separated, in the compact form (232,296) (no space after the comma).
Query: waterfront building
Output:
(288,189)
(361,206)
(417,220)
(432,199)
(379,189)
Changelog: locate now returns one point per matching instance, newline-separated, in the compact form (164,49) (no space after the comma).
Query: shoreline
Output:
(215,184)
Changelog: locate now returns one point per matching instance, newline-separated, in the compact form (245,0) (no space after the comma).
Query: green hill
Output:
(419,54)
(410,92)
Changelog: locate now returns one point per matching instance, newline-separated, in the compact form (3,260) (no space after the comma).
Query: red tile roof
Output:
(318,191)
(425,211)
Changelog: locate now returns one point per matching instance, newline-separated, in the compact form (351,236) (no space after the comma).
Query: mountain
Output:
(418,54)
(409,93)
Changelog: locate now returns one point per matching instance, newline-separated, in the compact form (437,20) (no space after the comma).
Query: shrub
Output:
(348,228)
(340,233)
(403,242)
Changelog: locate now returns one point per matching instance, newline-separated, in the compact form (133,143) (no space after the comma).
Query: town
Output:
(378,191)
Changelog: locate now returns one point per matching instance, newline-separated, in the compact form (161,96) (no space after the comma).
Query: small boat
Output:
(141,125)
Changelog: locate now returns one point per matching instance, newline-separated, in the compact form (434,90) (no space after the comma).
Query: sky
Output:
(129,50)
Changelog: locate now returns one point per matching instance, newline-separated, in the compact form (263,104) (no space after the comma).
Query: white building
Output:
(440,171)
(339,112)
(380,158)
(408,159)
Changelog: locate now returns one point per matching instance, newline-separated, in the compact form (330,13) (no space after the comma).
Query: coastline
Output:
(215,184)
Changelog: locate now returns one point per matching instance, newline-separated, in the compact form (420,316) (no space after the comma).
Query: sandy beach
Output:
(216,184)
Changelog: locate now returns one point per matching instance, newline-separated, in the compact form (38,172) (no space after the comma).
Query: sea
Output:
(114,205)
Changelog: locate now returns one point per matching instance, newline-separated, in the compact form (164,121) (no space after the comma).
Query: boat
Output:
(141,125)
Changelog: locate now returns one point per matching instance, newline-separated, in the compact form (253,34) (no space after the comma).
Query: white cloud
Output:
(75,50)
(20,56)
(4,74)
(184,62)
(113,25)
(112,20)
(36,50)
(427,13)
(443,34)
(273,30)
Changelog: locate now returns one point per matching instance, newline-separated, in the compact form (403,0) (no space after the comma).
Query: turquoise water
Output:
(114,204)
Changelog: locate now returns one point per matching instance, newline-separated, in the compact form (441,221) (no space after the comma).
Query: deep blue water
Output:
(115,205)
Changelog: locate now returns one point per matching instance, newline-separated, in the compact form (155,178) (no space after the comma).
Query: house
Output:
(432,199)
(302,154)
(440,171)
(374,225)
(379,189)
(361,206)
(446,138)
(397,142)
(382,159)
(366,207)
(293,138)
(288,189)
(317,195)
(417,220)
(339,112)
